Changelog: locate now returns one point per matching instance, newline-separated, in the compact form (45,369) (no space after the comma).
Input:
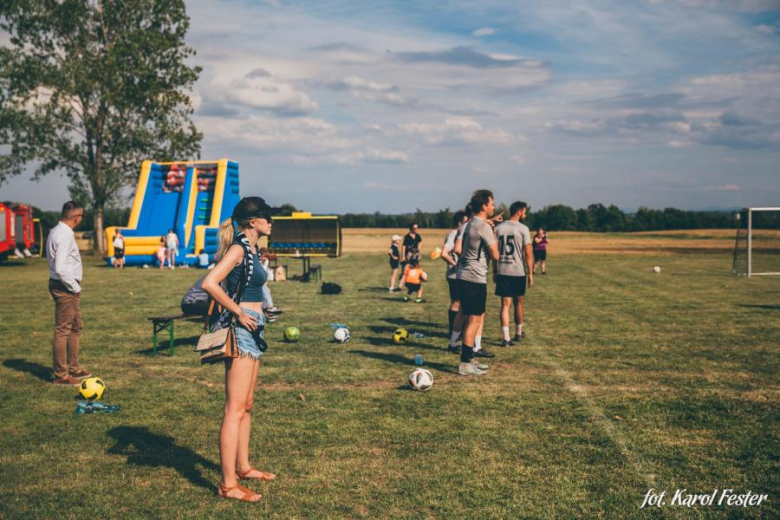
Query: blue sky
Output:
(391,106)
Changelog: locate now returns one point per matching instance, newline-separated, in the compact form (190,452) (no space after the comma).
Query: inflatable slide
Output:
(191,198)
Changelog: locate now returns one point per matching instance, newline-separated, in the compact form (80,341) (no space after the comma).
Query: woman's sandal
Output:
(246,497)
(264,475)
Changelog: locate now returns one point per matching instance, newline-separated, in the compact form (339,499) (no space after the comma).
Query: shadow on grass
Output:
(765,307)
(398,359)
(434,329)
(388,342)
(373,289)
(144,448)
(163,345)
(22,365)
(12,263)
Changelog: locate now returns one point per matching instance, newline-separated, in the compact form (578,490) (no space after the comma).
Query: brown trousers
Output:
(67,329)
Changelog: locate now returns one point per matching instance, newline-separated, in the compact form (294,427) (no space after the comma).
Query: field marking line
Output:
(641,467)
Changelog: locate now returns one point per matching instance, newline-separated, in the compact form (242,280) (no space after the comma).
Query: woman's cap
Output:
(253,207)
(395,238)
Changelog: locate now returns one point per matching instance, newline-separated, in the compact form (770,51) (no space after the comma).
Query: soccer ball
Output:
(656,269)
(421,379)
(400,336)
(92,389)
(436,253)
(292,334)
(341,335)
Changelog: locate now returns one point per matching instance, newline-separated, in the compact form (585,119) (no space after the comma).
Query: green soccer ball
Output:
(292,334)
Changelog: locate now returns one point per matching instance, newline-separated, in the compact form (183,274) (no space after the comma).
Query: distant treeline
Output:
(558,217)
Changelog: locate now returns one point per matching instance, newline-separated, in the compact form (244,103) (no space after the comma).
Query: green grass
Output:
(628,380)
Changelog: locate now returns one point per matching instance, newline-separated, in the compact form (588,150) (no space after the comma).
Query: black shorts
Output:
(412,287)
(454,289)
(473,297)
(510,286)
(394,264)
(119,254)
(540,254)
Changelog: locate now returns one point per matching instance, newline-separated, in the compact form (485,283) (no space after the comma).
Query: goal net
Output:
(757,244)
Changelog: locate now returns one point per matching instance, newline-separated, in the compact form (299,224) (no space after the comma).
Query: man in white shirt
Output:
(65,273)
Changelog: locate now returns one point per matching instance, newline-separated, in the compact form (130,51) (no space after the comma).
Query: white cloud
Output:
(723,187)
(459,130)
(485,31)
(372,91)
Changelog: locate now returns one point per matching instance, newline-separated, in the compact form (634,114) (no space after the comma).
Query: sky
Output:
(373,105)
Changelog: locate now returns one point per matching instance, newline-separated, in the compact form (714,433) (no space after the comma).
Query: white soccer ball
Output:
(421,379)
(341,335)
(656,269)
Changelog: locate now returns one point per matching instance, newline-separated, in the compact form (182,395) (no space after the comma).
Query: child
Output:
(203,259)
(161,253)
(395,259)
(414,277)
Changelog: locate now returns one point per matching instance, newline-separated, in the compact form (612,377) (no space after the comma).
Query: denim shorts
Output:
(251,344)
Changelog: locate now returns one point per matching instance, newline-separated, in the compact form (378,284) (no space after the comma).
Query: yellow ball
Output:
(400,336)
(436,253)
(92,388)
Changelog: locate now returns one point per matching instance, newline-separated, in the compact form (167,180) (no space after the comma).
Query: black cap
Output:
(253,207)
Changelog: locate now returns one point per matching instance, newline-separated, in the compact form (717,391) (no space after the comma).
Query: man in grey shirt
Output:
(449,257)
(479,243)
(515,255)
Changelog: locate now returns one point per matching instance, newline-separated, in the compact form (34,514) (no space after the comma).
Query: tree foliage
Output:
(91,88)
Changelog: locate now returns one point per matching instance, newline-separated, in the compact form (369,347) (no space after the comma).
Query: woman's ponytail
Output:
(225,234)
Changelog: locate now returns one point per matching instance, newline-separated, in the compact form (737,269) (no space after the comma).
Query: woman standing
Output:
(172,248)
(240,266)
(395,260)
(540,250)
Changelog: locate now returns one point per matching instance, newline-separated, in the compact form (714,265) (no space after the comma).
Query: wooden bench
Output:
(163,323)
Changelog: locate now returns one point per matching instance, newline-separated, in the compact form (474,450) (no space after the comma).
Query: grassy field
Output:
(628,381)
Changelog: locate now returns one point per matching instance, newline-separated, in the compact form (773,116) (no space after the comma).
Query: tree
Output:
(90,88)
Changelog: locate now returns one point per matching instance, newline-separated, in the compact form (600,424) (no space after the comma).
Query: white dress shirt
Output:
(64,257)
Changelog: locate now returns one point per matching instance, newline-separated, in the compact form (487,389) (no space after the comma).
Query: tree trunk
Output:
(100,236)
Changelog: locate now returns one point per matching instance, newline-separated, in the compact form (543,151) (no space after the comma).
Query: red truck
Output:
(7,232)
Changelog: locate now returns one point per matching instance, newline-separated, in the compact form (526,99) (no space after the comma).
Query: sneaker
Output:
(406,298)
(479,365)
(80,374)
(66,381)
(391,290)
(520,337)
(468,369)
(506,343)
(483,353)
(274,310)
(418,300)
(453,349)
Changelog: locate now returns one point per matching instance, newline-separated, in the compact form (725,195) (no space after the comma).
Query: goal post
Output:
(757,243)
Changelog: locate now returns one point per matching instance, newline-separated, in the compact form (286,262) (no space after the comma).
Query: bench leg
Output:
(170,350)
(154,340)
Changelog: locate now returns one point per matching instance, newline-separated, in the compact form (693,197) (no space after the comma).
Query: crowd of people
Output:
(477,239)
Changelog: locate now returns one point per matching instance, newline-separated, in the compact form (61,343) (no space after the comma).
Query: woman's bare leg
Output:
(242,456)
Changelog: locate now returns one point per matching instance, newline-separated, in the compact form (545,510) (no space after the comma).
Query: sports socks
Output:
(505,332)
(452,315)
(477,343)
(519,329)
(466,354)
(454,338)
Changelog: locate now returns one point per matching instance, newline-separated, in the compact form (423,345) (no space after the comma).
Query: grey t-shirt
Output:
(449,243)
(473,261)
(512,238)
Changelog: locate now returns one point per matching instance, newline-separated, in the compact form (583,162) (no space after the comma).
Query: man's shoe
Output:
(418,300)
(80,374)
(66,381)
(483,353)
(506,343)
(468,369)
(520,337)
(274,310)
(453,349)
(406,298)
(479,365)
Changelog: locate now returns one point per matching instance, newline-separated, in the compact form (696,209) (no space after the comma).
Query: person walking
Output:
(540,250)
(119,250)
(395,261)
(161,253)
(478,243)
(239,265)
(449,257)
(515,255)
(65,275)
(172,248)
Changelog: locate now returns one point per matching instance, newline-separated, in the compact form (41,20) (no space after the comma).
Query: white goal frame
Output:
(750,242)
